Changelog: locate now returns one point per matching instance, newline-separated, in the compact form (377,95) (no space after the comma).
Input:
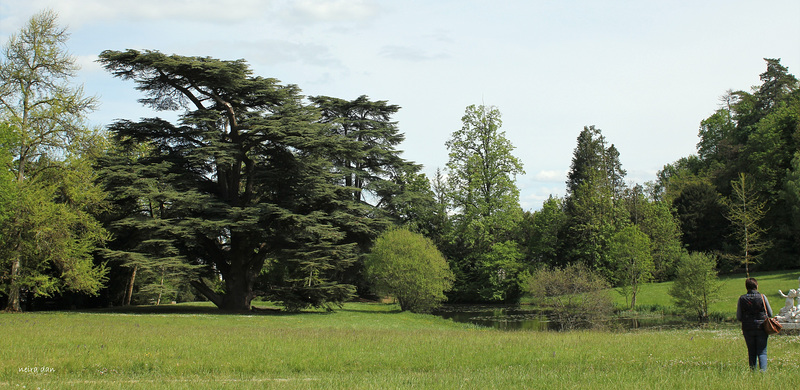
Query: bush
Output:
(696,284)
(575,296)
(408,266)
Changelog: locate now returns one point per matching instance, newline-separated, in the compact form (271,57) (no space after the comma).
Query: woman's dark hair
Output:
(751,284)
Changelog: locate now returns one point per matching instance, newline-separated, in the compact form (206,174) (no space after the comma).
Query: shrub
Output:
(696,284)
(575,296)
(408,266)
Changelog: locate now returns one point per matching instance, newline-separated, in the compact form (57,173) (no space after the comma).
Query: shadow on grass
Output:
(393,311)
(206,308)
(184,308)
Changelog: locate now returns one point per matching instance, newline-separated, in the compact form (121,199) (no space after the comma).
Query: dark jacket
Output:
(750,310)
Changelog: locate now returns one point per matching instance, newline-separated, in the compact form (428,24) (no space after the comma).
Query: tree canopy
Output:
(49,235)
(258,191)
(409,267)
(245,189)
(482,191)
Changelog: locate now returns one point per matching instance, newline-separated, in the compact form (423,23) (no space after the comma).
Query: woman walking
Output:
(752,310)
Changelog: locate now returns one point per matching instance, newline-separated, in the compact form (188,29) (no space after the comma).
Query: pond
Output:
(516,317)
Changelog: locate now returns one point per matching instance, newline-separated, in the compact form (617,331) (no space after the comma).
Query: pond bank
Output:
(524,317)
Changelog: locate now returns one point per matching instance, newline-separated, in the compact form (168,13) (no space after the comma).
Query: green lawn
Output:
(656,294)
(363,346)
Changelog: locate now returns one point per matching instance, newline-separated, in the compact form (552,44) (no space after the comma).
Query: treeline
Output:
(259,191)
(748,155)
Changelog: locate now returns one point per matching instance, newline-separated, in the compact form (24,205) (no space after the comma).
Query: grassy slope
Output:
(732,287)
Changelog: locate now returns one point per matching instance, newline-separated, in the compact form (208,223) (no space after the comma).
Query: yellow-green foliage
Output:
(408,266)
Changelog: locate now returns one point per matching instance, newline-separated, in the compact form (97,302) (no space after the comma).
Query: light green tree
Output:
(484,196)
(49,238)
(696,284)
(407,266)
(630,251)
(745,211)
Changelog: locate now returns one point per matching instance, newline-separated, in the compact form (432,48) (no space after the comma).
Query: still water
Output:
(515,317)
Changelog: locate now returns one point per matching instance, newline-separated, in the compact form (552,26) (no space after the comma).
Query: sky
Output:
(644,72)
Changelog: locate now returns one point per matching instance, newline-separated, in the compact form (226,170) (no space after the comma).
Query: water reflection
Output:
(515,317)
(505,317)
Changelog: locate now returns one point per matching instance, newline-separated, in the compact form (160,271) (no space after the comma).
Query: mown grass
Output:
(363,346)
(655,296)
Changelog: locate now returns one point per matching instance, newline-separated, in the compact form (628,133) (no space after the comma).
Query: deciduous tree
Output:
(49,238)
(408,267)
(630,251)
(696,284)
(482,191)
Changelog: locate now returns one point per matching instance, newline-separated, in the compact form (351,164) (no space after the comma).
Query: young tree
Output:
(408,266)
(696,284)
(482,190)
(630,249)
(257,200)
(49,238)
(745,210)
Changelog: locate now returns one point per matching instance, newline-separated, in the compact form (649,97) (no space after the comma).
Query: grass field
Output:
(372,346)
(656,294)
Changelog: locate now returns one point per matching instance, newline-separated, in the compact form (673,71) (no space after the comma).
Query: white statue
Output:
(789,306)
(790,313)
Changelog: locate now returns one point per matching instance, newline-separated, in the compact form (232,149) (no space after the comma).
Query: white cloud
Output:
(88,63)
(79,12)
(550,176)
(409,53)
(274,51)
(334,10)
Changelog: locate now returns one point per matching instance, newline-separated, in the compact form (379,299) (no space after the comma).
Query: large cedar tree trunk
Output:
(238,290)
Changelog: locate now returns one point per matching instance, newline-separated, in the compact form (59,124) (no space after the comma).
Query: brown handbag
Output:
(770,325)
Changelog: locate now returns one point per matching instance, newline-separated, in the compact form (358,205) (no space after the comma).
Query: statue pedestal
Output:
(790,325)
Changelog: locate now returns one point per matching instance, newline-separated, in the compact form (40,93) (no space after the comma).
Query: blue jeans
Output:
(756,341)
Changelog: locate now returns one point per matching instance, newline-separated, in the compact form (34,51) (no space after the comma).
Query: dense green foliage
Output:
(258,191)
(408,267)
(756,134)
(484,200)
(49,232)
(249,184)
